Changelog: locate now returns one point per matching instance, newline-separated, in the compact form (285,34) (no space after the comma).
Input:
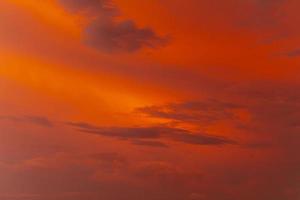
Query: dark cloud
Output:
(156,170)
(108,157)
(123,36)
(264,13)
(120,132)
(38,120)
(273,111)
(205,111)
(201,139)
(71,176)
(108,35)
(294,53)
(88,6)
(267,112)
(149,143)
(43,121)
(109,161)
(155,132)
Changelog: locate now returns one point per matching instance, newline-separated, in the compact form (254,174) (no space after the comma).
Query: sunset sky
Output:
(149,100)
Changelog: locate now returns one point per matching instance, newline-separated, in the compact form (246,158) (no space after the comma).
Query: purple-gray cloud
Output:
(149,143)
(205,111)
(153,132)
(108,35)
(38,120)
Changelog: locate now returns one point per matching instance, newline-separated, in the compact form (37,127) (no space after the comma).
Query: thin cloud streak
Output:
(38,120)
(153,132)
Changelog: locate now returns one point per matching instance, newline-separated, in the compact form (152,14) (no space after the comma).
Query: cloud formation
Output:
(293,53)
(149,143)
(153,132)
(109,35)
(38,120)
(205,111)
(264,13)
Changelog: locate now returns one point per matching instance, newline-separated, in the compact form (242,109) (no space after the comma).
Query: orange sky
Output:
(149,99)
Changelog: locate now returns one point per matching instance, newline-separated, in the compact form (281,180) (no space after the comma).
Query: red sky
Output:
(149,100)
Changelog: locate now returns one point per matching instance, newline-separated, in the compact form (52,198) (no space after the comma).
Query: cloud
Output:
(168,176)
(109,35)
(153,132)
(109,161)
(205,111)
(20,196)
(271,110)
(108,157)
(201,139)
(268,112)
(156,170)
(38,120)
(120,132)
(273,113)
(149,143)
(123,36)
(264,13)
(88,6)
(294,53)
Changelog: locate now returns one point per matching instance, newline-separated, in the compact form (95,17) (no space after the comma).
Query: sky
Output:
(149,100)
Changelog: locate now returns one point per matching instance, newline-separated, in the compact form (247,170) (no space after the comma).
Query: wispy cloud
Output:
(149,143)
(205,111)
(293,53)
(38,120)
(153,132)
